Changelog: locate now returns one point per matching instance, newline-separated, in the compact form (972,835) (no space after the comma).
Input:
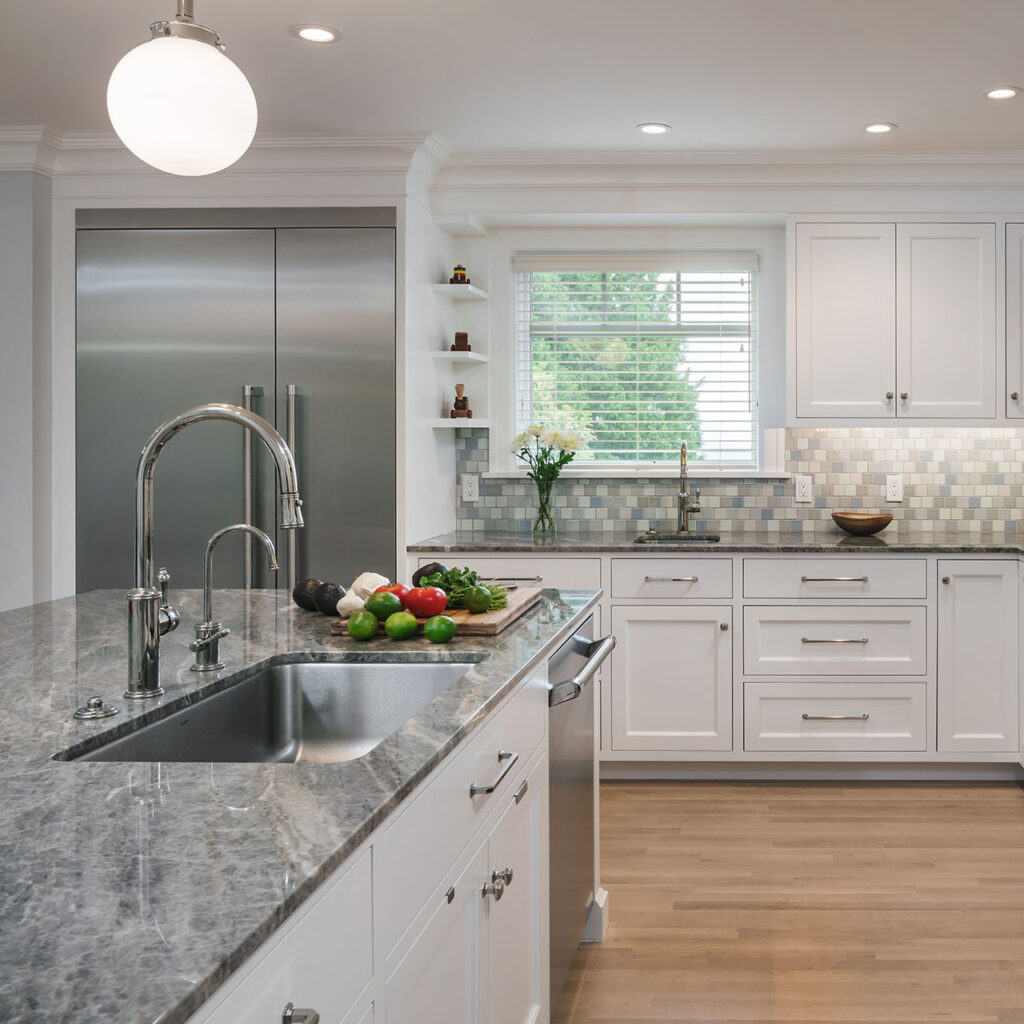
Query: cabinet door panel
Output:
(1015,320)
(438,979)
(517,923)
(945,320)
(977,680)
(845,320)
(672,678)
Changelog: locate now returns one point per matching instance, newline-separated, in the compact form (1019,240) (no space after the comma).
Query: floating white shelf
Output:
(461,357)
(453,424)
(461,291)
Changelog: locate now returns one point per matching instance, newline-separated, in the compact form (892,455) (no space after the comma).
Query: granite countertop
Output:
(898,537)
(129,892)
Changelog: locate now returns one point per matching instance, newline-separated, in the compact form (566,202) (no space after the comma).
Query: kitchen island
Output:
(133,891)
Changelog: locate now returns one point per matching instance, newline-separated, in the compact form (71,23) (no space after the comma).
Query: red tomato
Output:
(426,602)
(400,590)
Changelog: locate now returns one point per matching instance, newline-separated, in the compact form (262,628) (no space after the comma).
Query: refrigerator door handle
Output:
(570,689)
(249,392)
(291,392)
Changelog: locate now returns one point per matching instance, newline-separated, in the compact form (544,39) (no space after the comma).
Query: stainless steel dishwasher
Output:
(572,757)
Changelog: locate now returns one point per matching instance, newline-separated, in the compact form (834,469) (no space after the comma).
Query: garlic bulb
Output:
(366,583)
(350,604)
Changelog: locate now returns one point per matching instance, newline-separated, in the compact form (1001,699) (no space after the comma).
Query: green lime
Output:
(439,630)
(478,599)
(362,626)
(401,625)
(383,604)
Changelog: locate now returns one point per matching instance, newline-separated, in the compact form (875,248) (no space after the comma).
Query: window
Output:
(641,354)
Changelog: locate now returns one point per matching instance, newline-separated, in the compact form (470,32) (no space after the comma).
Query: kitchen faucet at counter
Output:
(149,614)
(686,507)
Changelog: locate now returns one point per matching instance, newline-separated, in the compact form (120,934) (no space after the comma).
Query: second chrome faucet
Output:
(206,646)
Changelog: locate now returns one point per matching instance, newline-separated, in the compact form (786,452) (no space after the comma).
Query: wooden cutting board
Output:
(520,601)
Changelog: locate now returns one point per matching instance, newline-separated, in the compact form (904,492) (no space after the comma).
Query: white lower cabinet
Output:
(978,655)
(672,678)
(482,954)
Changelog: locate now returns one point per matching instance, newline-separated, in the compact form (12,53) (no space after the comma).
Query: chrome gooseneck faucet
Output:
(149,614)
(686,507)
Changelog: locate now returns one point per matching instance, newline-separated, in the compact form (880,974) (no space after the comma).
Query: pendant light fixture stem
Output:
(185,9)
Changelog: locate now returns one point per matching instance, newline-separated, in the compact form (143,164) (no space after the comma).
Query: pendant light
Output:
(178,103)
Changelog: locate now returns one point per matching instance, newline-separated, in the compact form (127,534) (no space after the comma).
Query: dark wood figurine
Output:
(462,342)
(460,408)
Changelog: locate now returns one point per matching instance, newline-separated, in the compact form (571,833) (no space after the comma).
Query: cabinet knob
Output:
(497,890)
(502,876)
(889,396)
(1015,395)
(724,627)
(945,579)
(904,396)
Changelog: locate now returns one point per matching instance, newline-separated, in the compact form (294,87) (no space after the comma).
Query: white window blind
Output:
(641,354)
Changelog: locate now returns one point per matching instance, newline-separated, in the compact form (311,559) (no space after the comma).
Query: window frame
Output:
(769,442)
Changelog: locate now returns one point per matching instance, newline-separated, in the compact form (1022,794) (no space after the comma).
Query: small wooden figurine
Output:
(462,342)
(460,408)
(458,275)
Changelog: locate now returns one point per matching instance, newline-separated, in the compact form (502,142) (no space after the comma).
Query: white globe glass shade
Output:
(181,106)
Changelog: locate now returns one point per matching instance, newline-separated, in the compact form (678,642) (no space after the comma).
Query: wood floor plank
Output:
(807,903)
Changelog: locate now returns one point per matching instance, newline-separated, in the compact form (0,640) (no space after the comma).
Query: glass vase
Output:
(544,523)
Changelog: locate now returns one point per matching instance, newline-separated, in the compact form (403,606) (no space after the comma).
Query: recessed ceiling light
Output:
(654,128)
(1004,92)
(879,127)
(316,33)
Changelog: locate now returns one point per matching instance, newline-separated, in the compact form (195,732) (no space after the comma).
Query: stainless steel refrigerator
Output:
(290,312)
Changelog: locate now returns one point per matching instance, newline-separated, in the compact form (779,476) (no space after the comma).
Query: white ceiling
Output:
(729,75)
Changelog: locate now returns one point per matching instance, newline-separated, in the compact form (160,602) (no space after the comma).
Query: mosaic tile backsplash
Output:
(969,474)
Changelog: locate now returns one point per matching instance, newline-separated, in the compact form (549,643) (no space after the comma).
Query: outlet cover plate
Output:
(803,488)
(470,487)
(894,488)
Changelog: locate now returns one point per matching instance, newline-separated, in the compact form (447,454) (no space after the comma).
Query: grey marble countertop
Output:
(129,892)
(898,537)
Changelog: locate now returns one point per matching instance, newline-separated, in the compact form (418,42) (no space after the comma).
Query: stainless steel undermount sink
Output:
(308,712)
(689,536)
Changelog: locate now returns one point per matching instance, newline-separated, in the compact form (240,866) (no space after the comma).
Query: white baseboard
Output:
(710,771)
(597,918)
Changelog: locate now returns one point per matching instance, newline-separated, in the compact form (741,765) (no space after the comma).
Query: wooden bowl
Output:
(862,522)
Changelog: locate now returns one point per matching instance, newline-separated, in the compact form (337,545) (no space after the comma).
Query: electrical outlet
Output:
(470,487)
(894,488)
(803,489)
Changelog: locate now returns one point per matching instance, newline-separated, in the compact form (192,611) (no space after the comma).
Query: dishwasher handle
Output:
(569,689)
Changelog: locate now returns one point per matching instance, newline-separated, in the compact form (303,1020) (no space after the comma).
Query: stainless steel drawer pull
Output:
(291,1014)
(521,791)
(516,579)
(808,640)
(833,579)
(834,718)
(505,757)
(671,579)
(449,896)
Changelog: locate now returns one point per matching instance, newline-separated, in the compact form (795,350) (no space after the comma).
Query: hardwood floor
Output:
(771,903)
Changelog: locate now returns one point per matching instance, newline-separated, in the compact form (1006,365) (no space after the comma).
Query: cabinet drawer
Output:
(672,577)
(844,577)
(423,843)
(533,570)
(834,641)
(818,716)
(324,961)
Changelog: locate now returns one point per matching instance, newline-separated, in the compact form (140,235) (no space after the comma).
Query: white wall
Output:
(16,375)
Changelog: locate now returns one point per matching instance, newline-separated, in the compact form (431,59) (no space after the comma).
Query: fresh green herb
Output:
(456,582)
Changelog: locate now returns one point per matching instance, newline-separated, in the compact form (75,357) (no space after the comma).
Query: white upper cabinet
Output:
(1015,321)
(845,320)
(895,321)
(945,320)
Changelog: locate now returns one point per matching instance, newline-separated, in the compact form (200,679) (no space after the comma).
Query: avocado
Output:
(302,595)
(326,598)
(427,570)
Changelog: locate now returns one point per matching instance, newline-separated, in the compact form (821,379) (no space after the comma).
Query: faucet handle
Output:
(163,577)
(696,492)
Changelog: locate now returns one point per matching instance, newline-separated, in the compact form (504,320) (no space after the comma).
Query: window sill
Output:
(695,473)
